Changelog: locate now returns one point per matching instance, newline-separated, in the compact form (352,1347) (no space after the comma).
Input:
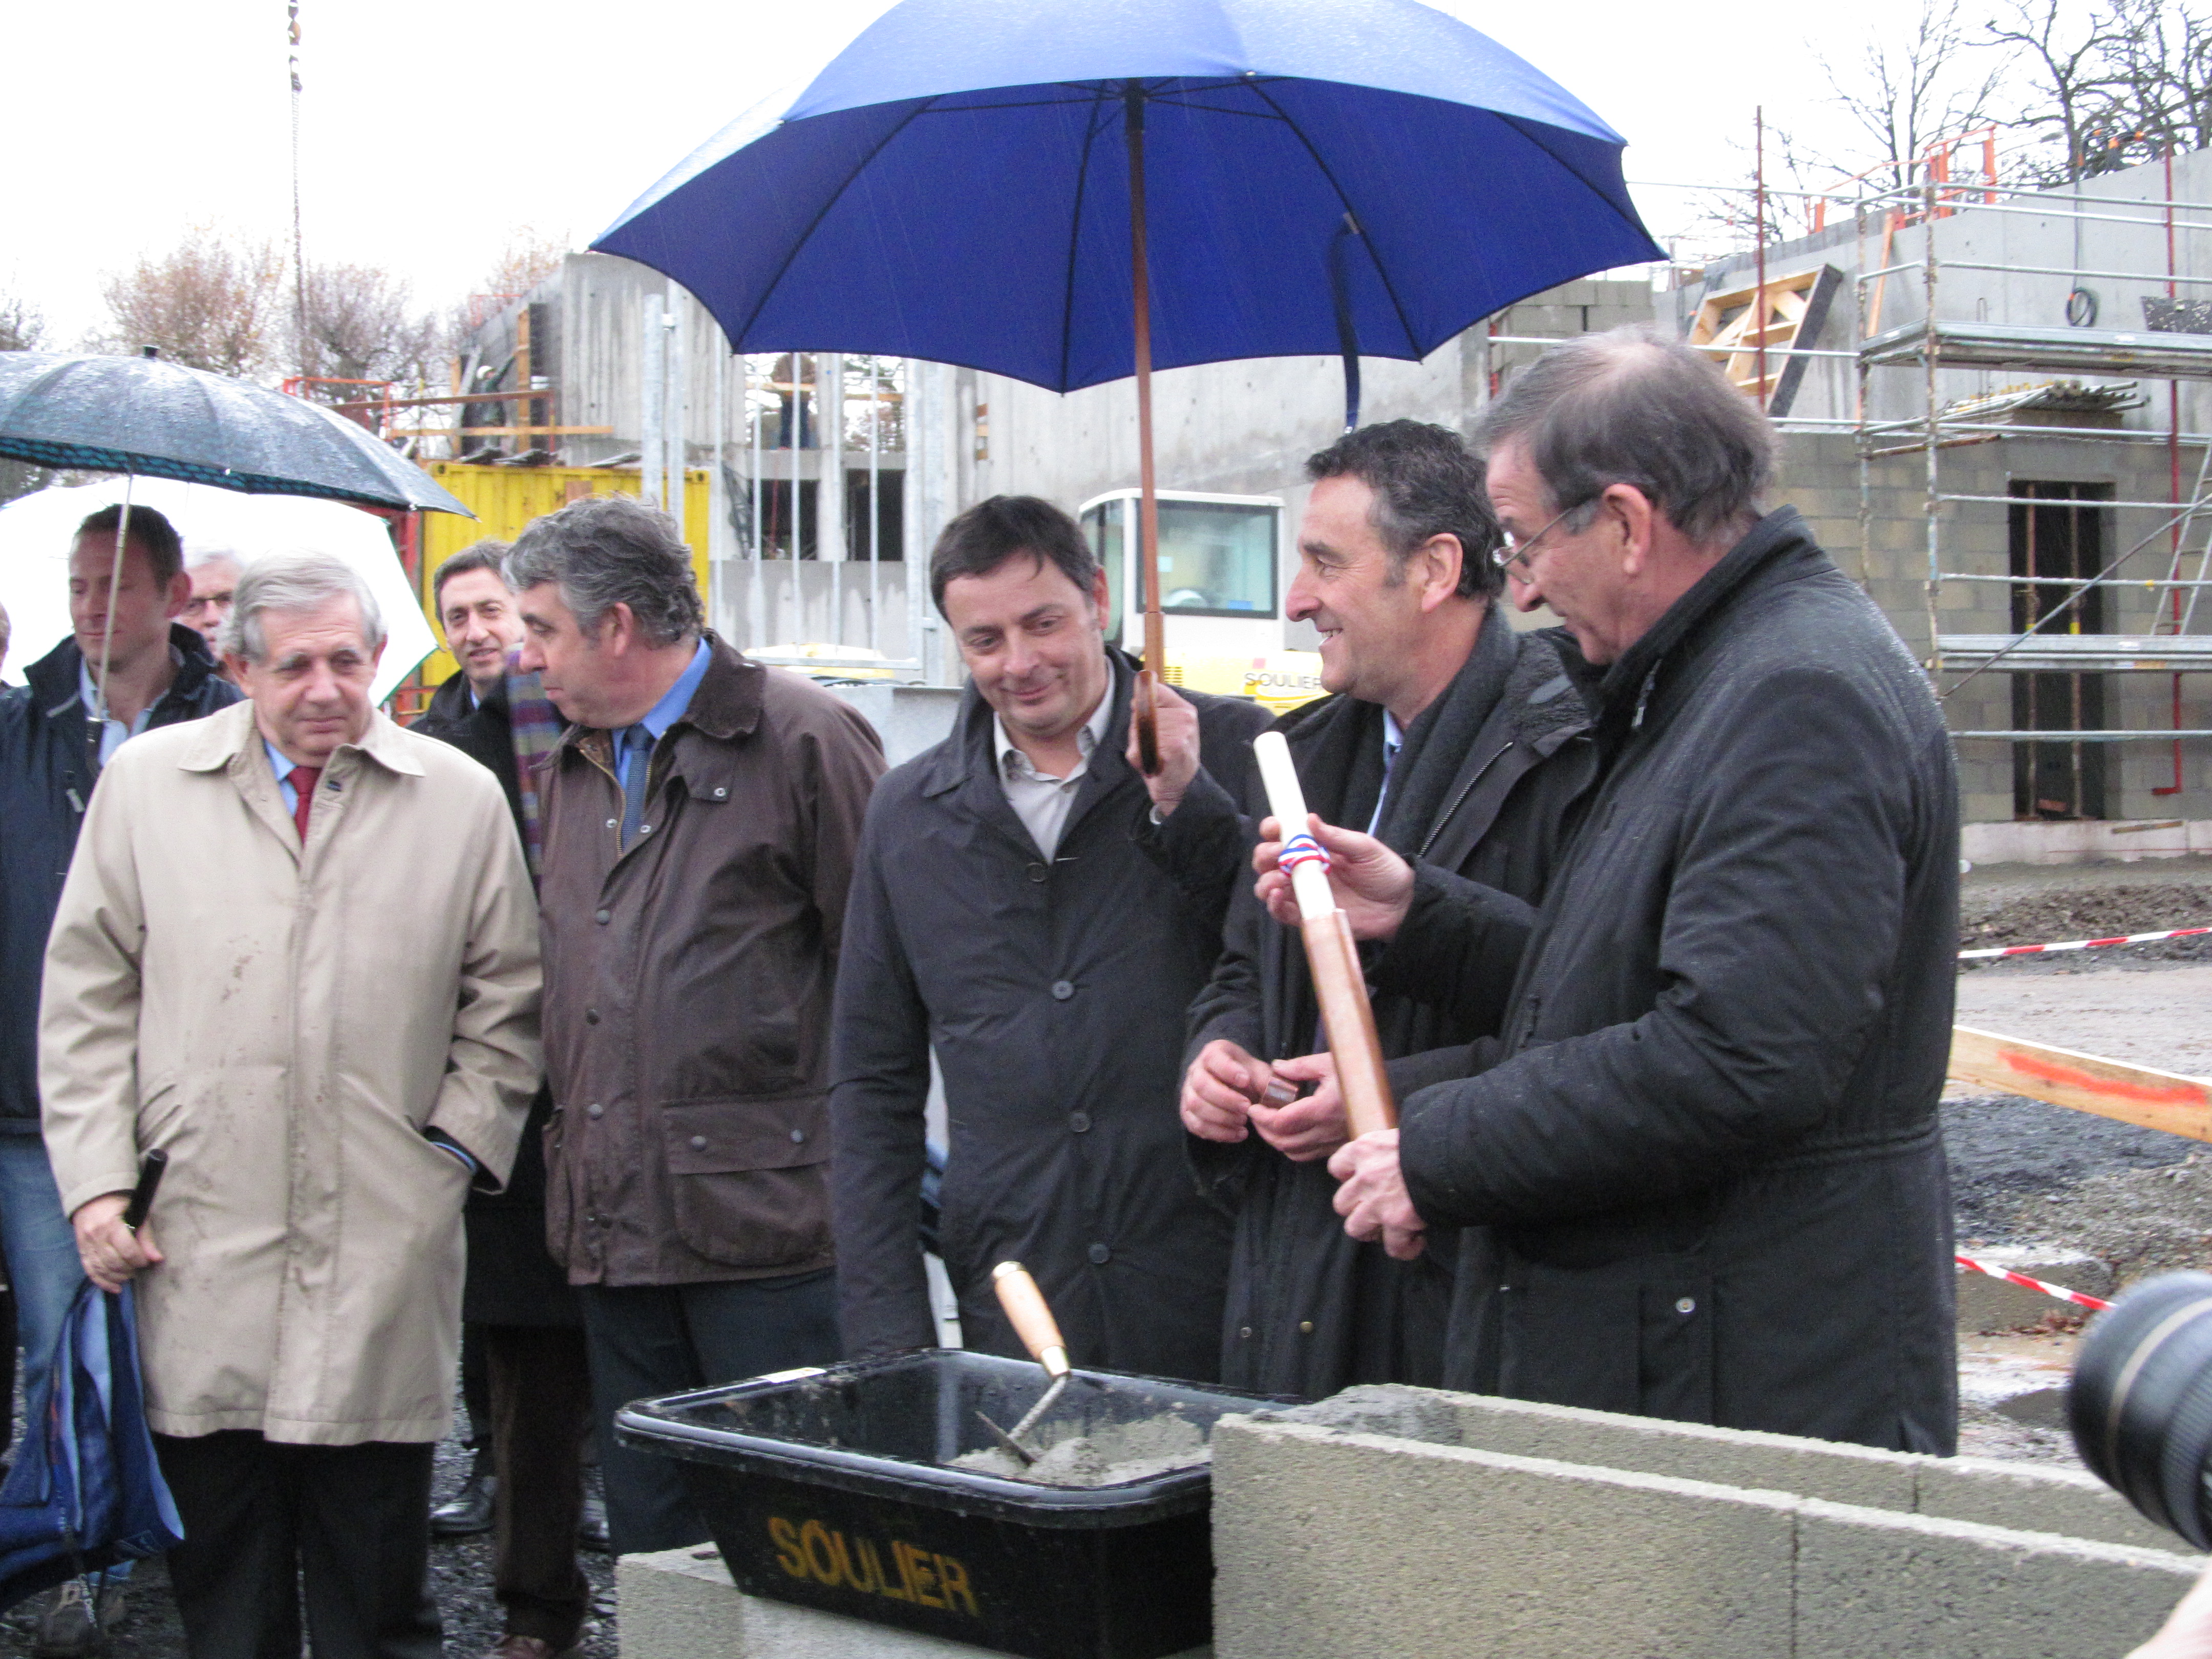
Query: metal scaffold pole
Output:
(652,402)
(760,629)
(875,504)
(678,381)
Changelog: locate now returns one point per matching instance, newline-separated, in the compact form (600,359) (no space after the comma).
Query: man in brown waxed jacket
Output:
(699,823)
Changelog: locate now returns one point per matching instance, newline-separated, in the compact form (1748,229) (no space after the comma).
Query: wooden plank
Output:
(501,431)
(432,403)
(2140,1095)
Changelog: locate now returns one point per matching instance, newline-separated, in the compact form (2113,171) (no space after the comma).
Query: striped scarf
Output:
(538,728)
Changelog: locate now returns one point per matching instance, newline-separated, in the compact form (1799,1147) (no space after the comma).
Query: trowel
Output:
(1025,1310)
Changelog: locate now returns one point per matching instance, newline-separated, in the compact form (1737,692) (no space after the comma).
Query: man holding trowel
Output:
(1036,912)
(1454,738)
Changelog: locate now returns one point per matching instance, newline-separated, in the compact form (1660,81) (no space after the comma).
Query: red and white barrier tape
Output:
(2058,1290)
(2081,944)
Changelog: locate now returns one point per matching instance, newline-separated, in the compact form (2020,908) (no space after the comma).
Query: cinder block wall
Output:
(1888,556)
(1394,1521)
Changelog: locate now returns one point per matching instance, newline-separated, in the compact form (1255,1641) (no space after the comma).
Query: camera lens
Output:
(2140,1403)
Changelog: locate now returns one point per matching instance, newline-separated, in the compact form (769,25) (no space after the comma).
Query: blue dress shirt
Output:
(630,739)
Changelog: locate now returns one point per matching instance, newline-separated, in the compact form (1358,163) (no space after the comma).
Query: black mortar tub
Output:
(829,1487)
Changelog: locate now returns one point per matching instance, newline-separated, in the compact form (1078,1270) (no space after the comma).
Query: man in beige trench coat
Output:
(297,951)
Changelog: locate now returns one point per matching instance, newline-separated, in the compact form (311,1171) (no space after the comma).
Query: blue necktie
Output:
(637,741)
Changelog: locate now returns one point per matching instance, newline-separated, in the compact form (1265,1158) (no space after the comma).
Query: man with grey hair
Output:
(1700,1174)
(700,821)
(331,1042)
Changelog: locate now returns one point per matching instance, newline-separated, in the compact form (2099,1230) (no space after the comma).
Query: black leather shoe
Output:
(591,1529)
(467,1511)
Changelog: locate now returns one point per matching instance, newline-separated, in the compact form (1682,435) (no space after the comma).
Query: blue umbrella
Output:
(1069,191)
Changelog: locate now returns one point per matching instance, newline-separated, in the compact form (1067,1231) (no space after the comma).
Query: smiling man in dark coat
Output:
(1038,913)
(1457,739)
(1702,1175)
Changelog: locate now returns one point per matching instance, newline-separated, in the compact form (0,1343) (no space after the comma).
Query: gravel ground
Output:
(460,1569)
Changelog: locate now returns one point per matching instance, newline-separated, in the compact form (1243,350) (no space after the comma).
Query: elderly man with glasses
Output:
(1701,1177)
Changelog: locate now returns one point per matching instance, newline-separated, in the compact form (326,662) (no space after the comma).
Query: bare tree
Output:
(23,325)
(2063,48)
(211,303)
(530,256)
(22,328)
(2156,87)
(1905,95)
(359,325)
(2114,84)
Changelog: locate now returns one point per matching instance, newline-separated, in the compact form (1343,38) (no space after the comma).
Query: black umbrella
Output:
(145,418)
(159,420)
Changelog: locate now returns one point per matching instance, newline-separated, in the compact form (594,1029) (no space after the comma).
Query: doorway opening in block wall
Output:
(2058,530)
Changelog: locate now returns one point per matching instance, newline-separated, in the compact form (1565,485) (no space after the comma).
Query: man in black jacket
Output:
(524,1378)
(1455,739)
(1040,915)
(158,672)
(1702,1174)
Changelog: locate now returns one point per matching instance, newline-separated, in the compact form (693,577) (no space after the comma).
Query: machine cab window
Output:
(1218,558)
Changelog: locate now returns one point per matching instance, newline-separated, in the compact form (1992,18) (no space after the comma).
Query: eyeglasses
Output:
(1517,549)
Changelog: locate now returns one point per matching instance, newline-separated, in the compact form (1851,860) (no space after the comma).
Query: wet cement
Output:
(1108,1455)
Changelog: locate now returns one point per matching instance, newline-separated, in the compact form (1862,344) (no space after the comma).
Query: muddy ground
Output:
(2027,1174)
(2023,1174)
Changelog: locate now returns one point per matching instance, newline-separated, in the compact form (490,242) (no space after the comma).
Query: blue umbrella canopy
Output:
(162,420)
(1319,175)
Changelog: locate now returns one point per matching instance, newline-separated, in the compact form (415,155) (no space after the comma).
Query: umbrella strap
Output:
(1347,329)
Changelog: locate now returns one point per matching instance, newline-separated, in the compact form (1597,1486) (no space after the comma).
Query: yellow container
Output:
(505,499)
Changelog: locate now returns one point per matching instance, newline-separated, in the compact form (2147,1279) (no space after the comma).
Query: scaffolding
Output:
(2063,628)
(843,407)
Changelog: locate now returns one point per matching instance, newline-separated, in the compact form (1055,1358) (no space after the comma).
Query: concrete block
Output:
(1331,1543)
(1870,1585)
(1695,1451)
(680,1604)
(1342,1545)
(2024,1498)
(2030,1498)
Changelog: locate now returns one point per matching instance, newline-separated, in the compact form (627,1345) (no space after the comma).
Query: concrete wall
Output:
(1247,428)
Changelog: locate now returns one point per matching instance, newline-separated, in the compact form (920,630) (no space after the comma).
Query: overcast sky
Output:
(432,130)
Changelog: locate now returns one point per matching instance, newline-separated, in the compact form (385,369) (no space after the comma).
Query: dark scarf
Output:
(1436,744)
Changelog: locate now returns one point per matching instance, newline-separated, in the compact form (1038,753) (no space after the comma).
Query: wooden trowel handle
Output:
(1032,1321)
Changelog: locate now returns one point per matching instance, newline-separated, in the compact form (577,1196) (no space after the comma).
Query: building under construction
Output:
(1992,403)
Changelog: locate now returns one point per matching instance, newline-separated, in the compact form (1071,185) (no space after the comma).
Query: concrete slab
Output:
(680,1604)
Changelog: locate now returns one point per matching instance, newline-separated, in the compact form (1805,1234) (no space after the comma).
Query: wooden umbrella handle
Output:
(1148,725)
(1032,1321)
